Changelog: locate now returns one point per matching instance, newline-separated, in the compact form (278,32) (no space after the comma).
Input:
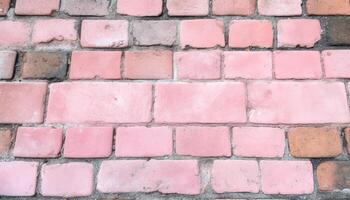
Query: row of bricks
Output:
(264,102)
(139,141)
(143,8)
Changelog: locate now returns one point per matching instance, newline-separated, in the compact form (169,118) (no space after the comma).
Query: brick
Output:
(336,63)
(152,32)
(85,7)
(7,64)
(333,176)
(240,34)
(286,177)
(20,106)
(88,142)
(140,8)
(36,7)
(187,7)
(44,65)
(248,64)
(338,31)
(203,141)
(308,142)
(347,139)
(280,7)
(5,141)
(235,176)
(202,33)
(104,33)
(55,32)
(298,32)
(294,102)
(198,64)
(234,7)
(297,64)
(11,172)
(14,33)
(326,7)
(67,180)
(4,7)
(149,176)
(39,142)
(149,64)
(191,102)
(95,65)
(258,142)
(143,141)
(103,102)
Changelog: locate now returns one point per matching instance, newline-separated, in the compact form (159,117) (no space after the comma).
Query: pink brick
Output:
(143,141)
(148,64)
(203,141)
(298,32)
(280,7)
(297,102)
(235,176)
(40,142)
(103,102)
(241,36)
(85,7)
(104,33)
(234,7)
(36,7)
(248,64)
(219,102)
(286,177)
(7,64)
(14,33)
(198,64)
(95,65)
(297,64)
(140,7)
(67,180)
(4,7)
(336,63)
(20,106)
(187,7)
(258,142)
(54,32)
(202,33)
(88,142)
(164,176)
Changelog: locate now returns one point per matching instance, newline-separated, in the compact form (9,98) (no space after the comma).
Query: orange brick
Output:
(328,7)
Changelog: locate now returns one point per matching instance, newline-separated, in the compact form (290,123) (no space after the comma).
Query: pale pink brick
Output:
(18,178)
(164,176)
(202,33)
(336,63)
(36,7)
(297,64)
(187,7)
(85,7)
(104,33)
(258,142)
(7,64)
(88,142)
(103,102)
(198,64)
(286,177)
(143,141)
(148,64)
(240,35)
(219,102)
(18,105)
(95,65)
(140,8)
(234,7)
(235,176)
(14,33)
(248,64)
(298,32)
(297,102)
(203,141)
(280,7)
(67,180)
(40,142)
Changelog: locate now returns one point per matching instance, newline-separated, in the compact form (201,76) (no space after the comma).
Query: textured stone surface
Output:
(338,31)
(148,32)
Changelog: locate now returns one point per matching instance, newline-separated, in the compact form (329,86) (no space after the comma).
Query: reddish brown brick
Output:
(347,138)
(333,175)
(328,7)
(4,6)
(5,141)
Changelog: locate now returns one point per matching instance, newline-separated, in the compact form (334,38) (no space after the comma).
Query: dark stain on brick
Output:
(338,31)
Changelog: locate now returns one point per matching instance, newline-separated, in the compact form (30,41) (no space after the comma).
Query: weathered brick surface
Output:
(4,6)
(5,141)
(347,139)
(234,7)
(14,33)
(7,64)
(338,31)
(188,7)
(336,63)
(36,7)
(85,7)
(140,7)
(326,7)
(280,7)
(333,175)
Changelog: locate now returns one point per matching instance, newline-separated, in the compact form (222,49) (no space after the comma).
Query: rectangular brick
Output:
(333,176)
(336,63)
(14,33)
(187,7)
(280,7)
(85,7)
(140,8)
(328,7)
(36,7)
(5,141)
(234,7)
(7,64)
(338,31)
(4,7)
